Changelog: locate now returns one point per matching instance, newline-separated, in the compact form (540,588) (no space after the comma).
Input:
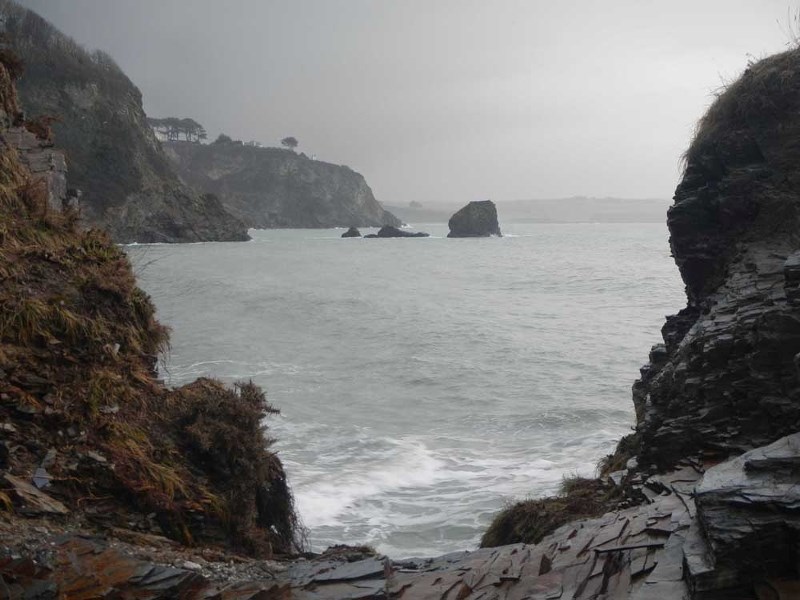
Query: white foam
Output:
(325,496)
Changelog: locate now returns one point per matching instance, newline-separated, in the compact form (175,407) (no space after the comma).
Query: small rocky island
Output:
(390,231)
(476,219)
(353,232)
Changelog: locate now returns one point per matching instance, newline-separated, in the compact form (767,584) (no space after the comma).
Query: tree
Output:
(290,142)
(173,128)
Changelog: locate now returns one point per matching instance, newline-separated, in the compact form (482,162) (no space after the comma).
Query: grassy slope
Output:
(78,347)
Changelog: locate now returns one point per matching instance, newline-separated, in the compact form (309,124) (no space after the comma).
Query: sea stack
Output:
(352,232)
(476,219)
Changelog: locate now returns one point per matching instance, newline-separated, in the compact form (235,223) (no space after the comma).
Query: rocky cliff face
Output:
(726,378)
(128,185)
(713,465)
(272,187)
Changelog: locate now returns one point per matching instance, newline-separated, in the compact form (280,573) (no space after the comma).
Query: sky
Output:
(445,101)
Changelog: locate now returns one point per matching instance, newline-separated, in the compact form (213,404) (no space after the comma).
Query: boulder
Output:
(30,501)
(476,219)
(749,507)
(389,231)
(352,232)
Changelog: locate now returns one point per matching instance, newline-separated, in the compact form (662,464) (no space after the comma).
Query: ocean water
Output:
(423,383)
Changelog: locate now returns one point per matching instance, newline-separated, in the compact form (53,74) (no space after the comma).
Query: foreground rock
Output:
(351,233)
(637,552)
(749,508)
(389,231)
(726,378)
(476,219)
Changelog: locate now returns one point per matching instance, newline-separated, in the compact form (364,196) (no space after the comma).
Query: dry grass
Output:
(223,430)
(766,92)
(627,448)
(79,343)
(5,502)
(531,520)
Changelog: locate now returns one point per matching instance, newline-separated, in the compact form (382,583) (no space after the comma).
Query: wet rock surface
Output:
(726,378)
(352,232)
(636,552)
(476,219)
(389,231)
(749,509)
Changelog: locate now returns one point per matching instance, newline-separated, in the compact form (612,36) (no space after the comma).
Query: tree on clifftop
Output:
(173,128)
(290,142)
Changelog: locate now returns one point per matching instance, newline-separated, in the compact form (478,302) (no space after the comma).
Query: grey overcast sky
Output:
(444,100)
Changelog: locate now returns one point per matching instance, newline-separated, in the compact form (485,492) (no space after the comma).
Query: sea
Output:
(424,384)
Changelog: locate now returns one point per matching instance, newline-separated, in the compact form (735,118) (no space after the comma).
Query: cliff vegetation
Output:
(87,431)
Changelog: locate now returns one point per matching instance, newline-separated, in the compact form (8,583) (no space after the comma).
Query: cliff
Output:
(726,380)
(713,463)
(273,187)
(90,440)
(128,185)
(700,502)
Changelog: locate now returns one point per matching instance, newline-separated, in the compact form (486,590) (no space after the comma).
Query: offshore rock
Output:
(388,231)
(476,219)
(352,232)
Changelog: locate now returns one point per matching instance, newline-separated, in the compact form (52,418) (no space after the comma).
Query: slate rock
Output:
(389,231)
(750,510)
(352,232)
(476,219)
(29,500)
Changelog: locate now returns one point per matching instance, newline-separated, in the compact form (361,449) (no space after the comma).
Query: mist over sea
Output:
(423,383)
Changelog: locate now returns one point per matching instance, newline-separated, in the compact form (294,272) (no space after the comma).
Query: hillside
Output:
(273,187)
(90,439)
(129,187)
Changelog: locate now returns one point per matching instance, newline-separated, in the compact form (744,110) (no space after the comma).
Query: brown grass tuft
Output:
(531,520)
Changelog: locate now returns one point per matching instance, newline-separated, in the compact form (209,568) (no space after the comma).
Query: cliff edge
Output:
(129,187)
(273,187)
(90,440)
(725,380)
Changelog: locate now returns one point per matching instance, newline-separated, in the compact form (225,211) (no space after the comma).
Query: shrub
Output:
(531,520)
